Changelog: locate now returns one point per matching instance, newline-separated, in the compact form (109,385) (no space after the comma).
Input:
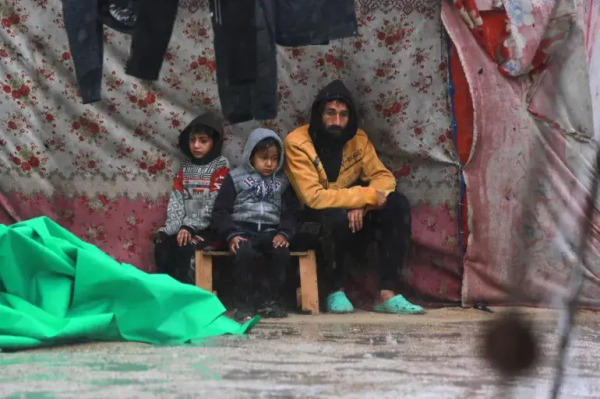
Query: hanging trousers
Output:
(150,38)
(245,36)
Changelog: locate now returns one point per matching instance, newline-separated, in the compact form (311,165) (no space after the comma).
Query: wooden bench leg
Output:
(204,278)
(309,289)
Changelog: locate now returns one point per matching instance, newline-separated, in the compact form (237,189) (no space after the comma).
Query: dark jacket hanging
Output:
(150,38)
(314,22)
(150,25)
(245,33)
(242,96)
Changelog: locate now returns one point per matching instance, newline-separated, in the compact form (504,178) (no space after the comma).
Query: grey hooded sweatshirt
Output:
(249,201)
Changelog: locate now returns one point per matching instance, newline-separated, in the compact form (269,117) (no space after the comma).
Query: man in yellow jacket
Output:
(338,176)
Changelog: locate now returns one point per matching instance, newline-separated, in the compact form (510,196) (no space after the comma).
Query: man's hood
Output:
(335,90)
(255,137)
(205,120)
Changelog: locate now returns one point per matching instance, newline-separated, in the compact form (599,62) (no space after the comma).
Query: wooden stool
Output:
(307,295)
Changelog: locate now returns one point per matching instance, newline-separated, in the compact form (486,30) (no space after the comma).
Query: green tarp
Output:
(56,289)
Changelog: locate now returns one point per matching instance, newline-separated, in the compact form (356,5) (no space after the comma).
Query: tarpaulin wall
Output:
(104,170)
(528,178)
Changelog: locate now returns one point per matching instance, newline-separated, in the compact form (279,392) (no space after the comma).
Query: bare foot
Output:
(386,295)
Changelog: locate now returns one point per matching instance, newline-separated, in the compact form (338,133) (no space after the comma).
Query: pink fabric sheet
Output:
(528,179)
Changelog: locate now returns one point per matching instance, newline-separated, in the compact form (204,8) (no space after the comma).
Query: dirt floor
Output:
(363,355)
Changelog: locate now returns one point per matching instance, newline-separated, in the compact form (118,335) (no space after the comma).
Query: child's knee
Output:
(281,254)
(245,252)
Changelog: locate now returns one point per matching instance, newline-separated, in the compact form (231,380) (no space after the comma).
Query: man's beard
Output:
(335,131)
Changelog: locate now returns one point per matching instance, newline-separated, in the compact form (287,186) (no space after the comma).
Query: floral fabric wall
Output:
(104,170)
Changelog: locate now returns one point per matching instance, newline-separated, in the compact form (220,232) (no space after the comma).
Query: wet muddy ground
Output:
(353,356)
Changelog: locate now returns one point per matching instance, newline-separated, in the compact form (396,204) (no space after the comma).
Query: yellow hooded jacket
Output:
(359,163)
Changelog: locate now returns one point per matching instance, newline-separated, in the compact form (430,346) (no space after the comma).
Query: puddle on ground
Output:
(382,340)
(225,341)
(31,395)
(42,377)
(221,341)
(373,355)
(204,372)
(125,381)
(118,367)
(276,334)
(288,377)
(433,336)
(8,360)
(38,377)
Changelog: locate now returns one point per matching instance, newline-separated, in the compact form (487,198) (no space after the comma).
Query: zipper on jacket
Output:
(262,211)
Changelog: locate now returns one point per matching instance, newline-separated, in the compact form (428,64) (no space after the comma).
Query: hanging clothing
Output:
(151,37)
(252,94)
(240,27)
(150,23)
(119,15)
(245,36)
(314,22)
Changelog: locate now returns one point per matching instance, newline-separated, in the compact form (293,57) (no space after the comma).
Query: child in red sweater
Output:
(190,206)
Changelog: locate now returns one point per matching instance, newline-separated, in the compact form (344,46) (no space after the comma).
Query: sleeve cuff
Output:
(370,196)
(233,235)
(188,228)
(160,236)
(285,234)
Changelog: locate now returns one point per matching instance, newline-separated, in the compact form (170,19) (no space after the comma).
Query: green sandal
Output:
(338,303)
(398,305)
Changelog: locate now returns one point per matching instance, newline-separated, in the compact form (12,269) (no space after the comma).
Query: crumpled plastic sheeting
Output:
(55,289)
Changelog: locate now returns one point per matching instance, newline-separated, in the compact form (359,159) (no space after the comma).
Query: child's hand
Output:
(183,237)
(234,244)
(196,239)
(279,241)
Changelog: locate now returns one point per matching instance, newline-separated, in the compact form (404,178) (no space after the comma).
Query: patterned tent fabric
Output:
(592,40)
(529,177)
(104,170)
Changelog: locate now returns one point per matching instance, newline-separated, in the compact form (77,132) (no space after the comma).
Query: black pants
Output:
(150,39)
(245,52)
(314,22)
(245,36)
(177,261)
(243,261)
(390,227)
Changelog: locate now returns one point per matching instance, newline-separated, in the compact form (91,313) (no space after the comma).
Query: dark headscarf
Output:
(206,123)
(330,148)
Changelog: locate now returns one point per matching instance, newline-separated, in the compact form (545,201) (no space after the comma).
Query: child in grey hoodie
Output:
(255,211)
